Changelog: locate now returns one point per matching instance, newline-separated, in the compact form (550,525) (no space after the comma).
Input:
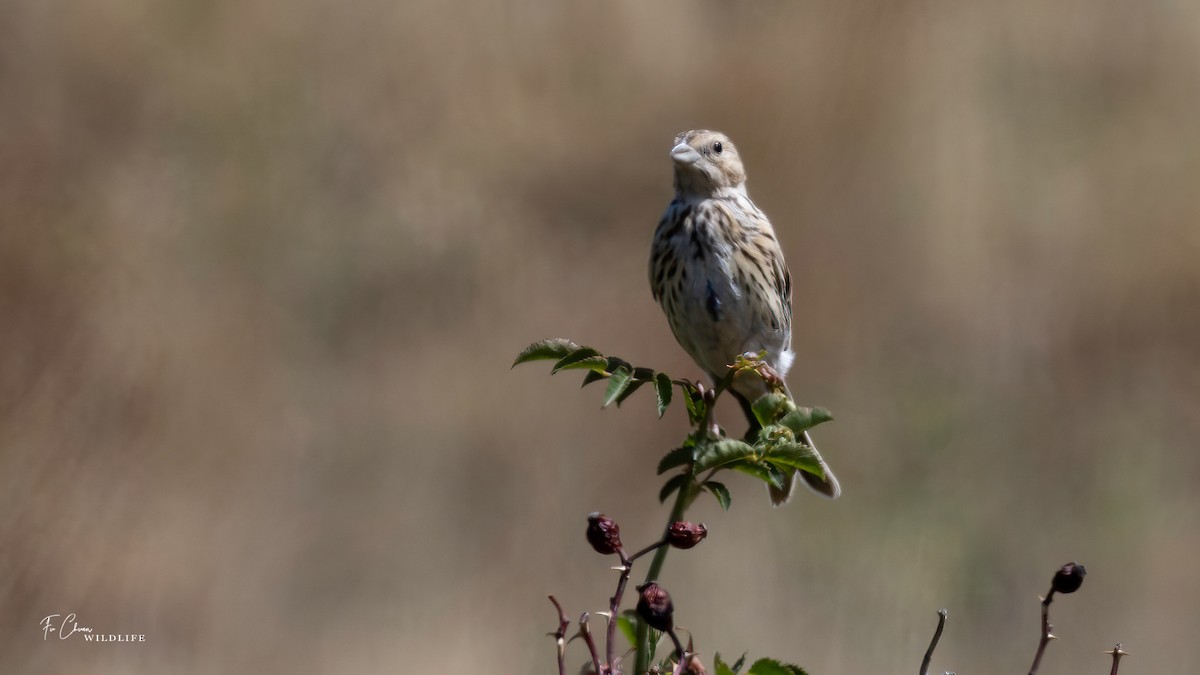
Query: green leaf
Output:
(643,374)
(695,406)
(664,389)
(672,485)
(613,363)
(821,415)
(722,452)
(584,357)
(737,665)
(592,376)
(770,407)
(773,667)
(803,419)
(617,384)
(762,471)
(719,666)
(719,491)
(628,628)
(778,476)
(674,458)
(796,456)
(655,635)
(634,385)
(772,435)
(554,348)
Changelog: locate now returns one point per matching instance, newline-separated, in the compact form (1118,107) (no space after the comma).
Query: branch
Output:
(587,637)
(614,606)
(1047,636)
(561,633)
(679,667)
(1116,653)
(937,635)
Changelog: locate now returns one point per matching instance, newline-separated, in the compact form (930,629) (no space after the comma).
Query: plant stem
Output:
(591,643)
(687,494)
(1116,653)
(679,650)
(560,636)
(610,643)
(937,635)
(683,500)
(1047,635)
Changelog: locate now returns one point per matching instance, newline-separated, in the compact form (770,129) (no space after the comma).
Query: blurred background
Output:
(264,266)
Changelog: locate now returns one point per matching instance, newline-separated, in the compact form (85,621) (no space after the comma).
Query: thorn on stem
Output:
(1116,653)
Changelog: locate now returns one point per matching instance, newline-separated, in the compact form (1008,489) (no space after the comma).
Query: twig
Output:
(651,547)
(1116,653)
(937,635)
(615,602)
(560,635)
(679,668)
(614,605)
(587,637)
(1047,636)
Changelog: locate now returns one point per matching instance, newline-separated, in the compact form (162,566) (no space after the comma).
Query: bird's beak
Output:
(685,154)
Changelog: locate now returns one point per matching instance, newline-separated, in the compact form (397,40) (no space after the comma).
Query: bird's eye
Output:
(717,147)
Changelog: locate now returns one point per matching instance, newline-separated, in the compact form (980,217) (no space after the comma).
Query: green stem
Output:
(685,497)
(687,494)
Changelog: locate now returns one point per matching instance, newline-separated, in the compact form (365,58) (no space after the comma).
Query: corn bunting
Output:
(718,272)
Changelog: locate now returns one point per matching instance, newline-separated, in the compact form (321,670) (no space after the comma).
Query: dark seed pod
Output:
(683,534)
(1069,578)
(654,605)
(603,534)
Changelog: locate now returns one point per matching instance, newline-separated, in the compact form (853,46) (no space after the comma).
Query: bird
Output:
(718,272)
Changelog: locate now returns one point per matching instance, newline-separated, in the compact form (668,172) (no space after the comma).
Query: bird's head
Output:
(705,162)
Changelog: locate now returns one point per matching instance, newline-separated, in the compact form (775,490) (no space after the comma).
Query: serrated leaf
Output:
(695,406)
(554,348)
(803,419)
(617,383)
(612,363)
(796,456)
(737,665)
(770,407)
(773,667)
(719,666)
(584,357)
(642,374)
(592,376)
(674,458)
(778,476)
(634,385)
(628,628)
(719,491)
(672,485)
(767,667)
(664,389)
(722,452)
(764,472)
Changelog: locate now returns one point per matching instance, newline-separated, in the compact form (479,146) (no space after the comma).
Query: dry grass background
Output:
(264,265)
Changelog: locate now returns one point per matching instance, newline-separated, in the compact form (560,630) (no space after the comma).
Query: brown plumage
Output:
(718,272)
